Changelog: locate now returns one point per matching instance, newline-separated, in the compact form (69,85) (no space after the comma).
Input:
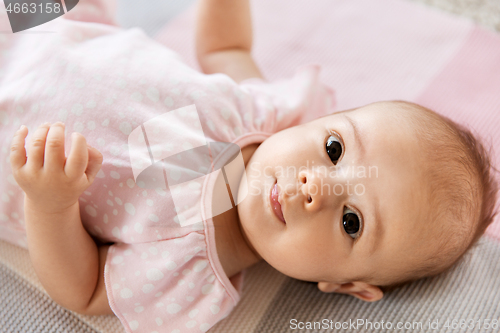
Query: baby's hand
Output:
(51,181)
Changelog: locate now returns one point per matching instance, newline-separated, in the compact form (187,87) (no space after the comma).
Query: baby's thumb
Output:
(95,163)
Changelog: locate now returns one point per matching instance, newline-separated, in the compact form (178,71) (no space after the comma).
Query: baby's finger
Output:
(17,150)
(37,147)
(54,148)
(76,164)
(95,163)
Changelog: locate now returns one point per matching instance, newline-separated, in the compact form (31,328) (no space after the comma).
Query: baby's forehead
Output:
(379,109)
(336,114)
(374,120)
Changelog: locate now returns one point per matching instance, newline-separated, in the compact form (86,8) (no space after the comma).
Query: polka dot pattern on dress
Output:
(160,276)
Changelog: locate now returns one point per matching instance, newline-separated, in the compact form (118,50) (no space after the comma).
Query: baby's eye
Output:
(352,223)
(333,149)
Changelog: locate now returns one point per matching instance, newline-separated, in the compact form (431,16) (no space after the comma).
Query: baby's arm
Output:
(224,39)
(65,257)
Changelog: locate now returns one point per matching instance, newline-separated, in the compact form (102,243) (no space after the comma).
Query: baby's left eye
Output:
(333,149)
(352,223)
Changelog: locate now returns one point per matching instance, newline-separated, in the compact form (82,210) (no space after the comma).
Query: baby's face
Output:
(352,193)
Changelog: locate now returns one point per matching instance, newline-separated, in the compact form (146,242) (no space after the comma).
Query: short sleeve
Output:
(165,286)
(284,103)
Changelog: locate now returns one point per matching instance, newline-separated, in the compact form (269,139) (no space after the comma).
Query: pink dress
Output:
(103,82)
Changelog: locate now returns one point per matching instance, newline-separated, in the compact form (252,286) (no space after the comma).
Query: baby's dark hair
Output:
(462,186)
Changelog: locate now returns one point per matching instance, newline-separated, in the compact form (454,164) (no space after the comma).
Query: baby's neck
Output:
(234,253)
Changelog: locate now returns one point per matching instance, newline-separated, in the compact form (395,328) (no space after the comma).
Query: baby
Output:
(359,201)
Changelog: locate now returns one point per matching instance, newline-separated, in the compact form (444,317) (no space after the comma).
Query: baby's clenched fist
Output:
(51,181)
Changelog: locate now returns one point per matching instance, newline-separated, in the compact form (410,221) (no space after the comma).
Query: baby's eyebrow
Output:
(356,134)
(377,227)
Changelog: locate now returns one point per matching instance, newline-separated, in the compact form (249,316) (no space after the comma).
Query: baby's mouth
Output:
(275,204)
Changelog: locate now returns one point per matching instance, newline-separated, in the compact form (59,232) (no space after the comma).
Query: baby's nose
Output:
(317,190)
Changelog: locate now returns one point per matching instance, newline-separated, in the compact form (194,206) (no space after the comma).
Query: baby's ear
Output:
(358,289)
